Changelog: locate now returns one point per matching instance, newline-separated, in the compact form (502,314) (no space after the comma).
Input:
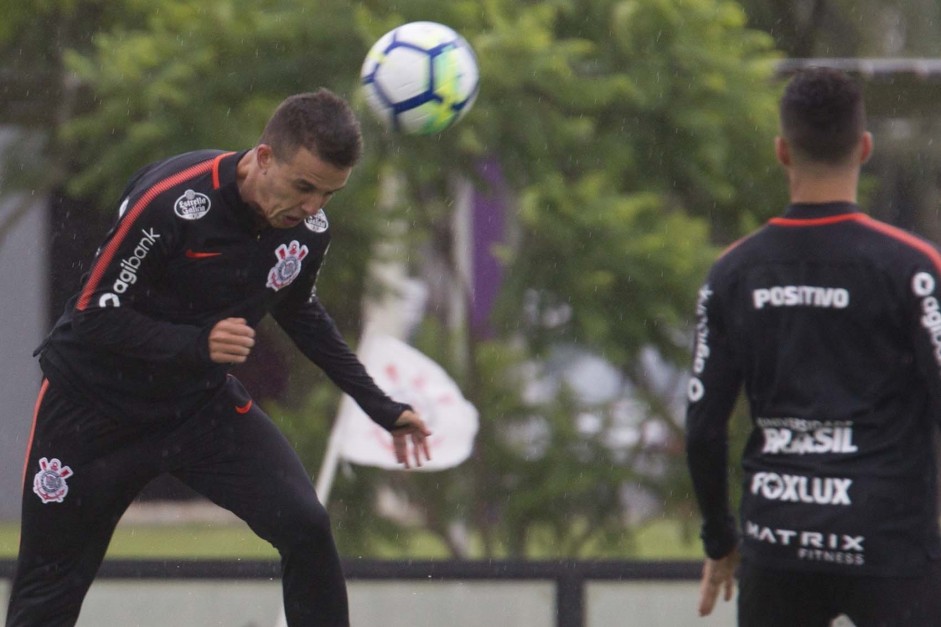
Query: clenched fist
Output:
(230,341)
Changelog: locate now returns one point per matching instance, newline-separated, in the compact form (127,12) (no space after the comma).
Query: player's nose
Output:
(312,206)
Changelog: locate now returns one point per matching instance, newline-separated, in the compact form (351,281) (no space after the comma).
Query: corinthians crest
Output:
(288,265)
(49,483)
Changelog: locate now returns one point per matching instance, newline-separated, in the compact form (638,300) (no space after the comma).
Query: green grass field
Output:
(661,540)
(166,541)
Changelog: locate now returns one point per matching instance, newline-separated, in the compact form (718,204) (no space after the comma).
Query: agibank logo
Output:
(132,263)
(129,267)
(923,285)
(696,390)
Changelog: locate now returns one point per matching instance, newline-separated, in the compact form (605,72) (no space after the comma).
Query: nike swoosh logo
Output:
(243,409)
(193,254)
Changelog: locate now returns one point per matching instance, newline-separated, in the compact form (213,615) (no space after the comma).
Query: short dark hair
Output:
(320,121)
(822,115)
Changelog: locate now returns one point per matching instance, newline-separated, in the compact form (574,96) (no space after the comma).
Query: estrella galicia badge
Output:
(288,266)
(49,483)
(191,205)
(317,222)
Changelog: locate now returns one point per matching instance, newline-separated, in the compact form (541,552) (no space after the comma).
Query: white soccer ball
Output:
(420,78)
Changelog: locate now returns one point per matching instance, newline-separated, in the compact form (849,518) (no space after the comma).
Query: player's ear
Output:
(865,147)
(782,151)
(264,156)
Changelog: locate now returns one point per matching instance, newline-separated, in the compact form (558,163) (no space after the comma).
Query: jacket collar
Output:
(225,180)
(813,211)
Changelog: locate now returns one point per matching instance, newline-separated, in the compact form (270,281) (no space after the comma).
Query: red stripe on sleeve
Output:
(127,223)
(906,238)
(733,246)
(886,229)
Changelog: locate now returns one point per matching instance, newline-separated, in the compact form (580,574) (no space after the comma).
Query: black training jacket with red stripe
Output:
(831,322)
(186,252)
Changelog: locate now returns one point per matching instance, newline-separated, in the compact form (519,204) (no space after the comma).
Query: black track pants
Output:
(770,598)
(83,470)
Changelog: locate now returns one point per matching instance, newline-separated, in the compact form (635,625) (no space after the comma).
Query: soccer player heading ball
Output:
(137,376)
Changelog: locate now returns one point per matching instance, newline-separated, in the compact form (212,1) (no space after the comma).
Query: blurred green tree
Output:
(636,135)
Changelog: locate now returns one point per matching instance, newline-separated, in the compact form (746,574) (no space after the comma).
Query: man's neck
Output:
(819,187)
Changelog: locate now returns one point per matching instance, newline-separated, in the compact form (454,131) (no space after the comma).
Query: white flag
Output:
(408,376)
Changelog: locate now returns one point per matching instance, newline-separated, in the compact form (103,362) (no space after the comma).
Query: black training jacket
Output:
(831,321)
(186,252)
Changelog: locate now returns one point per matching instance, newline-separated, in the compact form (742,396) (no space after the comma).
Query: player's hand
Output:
(717,575)
(410,426)
(230,341)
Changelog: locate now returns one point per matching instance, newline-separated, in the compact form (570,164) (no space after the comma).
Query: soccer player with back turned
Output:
(136,370)
(831,321)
